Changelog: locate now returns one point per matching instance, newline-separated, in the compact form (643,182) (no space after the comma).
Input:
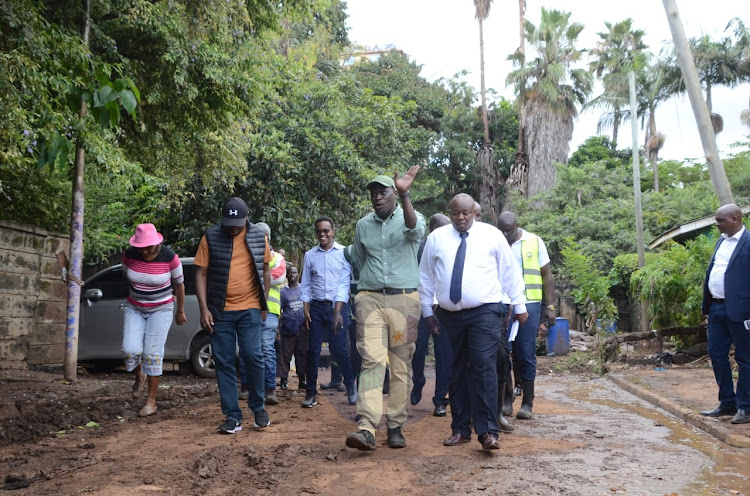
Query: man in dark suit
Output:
(726,301)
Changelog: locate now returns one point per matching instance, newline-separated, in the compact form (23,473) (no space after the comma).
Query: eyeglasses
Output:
(322,231)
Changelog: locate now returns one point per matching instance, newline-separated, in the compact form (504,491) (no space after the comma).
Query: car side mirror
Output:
(93,294)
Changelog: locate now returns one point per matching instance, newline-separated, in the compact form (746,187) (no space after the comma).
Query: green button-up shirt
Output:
(386,251)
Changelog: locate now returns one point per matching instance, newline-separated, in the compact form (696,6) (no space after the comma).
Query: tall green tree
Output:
(619,51)
(553,88)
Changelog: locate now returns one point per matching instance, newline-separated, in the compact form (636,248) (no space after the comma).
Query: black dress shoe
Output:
(439,411)
(719,412)
(489,441)
(456,440)
(741,417)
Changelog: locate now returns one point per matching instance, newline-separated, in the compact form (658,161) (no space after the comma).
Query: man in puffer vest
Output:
(231,282)
(531,254)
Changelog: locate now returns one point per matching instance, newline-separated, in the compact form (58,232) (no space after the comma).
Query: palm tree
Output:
(488,191)
(654,84)
(551,88)
(619,51)
(519,171)
(742,49)
(717,63)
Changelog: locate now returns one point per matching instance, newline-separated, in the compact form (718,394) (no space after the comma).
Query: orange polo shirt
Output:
(243,289)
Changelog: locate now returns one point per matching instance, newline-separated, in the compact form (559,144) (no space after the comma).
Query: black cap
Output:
(234,212)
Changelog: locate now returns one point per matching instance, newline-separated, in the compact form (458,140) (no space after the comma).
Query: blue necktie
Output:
(458,269)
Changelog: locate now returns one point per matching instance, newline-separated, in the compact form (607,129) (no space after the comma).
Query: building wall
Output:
(32,298)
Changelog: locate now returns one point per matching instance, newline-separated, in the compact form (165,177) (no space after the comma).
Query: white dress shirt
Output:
(721,261)
(489,270)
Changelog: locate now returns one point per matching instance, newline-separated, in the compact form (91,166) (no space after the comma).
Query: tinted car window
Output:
(188,269)
(112,283)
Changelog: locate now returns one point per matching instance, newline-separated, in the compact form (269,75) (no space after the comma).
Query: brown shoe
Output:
(456,440)
(489,441)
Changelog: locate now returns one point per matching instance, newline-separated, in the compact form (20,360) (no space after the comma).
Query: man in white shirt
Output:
(467,266)
(726,301)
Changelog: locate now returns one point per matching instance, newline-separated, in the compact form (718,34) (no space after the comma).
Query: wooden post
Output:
(702,116)
(76,240)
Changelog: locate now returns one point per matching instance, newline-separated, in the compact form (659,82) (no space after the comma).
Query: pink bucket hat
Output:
(146,235)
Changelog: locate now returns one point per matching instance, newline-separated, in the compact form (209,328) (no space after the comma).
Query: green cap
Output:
(383,180)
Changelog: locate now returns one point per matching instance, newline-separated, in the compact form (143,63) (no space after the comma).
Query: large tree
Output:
(551,86)
(619,51)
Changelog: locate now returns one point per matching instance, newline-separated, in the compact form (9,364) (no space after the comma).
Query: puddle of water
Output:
(730,473)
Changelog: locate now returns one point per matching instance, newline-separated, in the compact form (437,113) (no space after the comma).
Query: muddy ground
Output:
(588,437)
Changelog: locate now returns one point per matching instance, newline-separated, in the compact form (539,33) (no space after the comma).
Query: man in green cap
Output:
(387,306)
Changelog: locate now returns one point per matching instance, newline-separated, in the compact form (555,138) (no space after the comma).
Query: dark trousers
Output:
(722,332)
(294,344)
(354,357)
(477,339)
(321,319)
(443,362)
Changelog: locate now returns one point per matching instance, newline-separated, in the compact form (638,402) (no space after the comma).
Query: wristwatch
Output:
(551,307)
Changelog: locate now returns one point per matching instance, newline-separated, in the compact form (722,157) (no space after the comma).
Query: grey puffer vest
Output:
(220,256)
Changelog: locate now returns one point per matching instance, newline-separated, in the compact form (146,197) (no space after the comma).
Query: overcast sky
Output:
(443,37)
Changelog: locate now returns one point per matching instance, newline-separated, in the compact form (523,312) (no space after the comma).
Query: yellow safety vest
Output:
(274,295)
(532,273)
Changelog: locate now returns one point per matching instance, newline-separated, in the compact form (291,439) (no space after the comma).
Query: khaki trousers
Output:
(386,333)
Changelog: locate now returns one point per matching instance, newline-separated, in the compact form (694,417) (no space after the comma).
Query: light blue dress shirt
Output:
(326,275)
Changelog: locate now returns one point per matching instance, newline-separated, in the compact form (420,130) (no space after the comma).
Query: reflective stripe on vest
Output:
(274,295)
(532,273)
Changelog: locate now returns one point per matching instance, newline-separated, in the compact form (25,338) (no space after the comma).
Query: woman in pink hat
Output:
(153,271)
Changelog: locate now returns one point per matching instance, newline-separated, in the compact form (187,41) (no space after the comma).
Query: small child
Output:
(293,331)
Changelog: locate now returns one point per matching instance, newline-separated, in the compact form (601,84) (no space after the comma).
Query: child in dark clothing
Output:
(293,331)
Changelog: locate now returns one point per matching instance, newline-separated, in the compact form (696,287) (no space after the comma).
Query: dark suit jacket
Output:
(736,281)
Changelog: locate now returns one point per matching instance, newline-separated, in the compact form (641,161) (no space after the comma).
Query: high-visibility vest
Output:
(274,295)
(532,273)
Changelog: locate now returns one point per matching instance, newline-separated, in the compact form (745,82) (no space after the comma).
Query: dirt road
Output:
(588,437)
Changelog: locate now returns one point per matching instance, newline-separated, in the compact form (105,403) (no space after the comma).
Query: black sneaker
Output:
(261,420)
(230,427)
(284,384)
(310,401)
(396,438)
(362,440)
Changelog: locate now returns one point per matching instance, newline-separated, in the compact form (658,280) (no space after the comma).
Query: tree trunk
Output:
(488,191)
(522,92)
(485,123)
(76,240)
(548,136)
(702,115)
(615,128)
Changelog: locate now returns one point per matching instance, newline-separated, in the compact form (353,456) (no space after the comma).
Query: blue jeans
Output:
(268,339)
(143,337)
(241,327)
(443,362)
(476,337)
(524,347)
(722,332)
(321,320)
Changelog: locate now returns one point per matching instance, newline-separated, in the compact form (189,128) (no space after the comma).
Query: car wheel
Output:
(202,357)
